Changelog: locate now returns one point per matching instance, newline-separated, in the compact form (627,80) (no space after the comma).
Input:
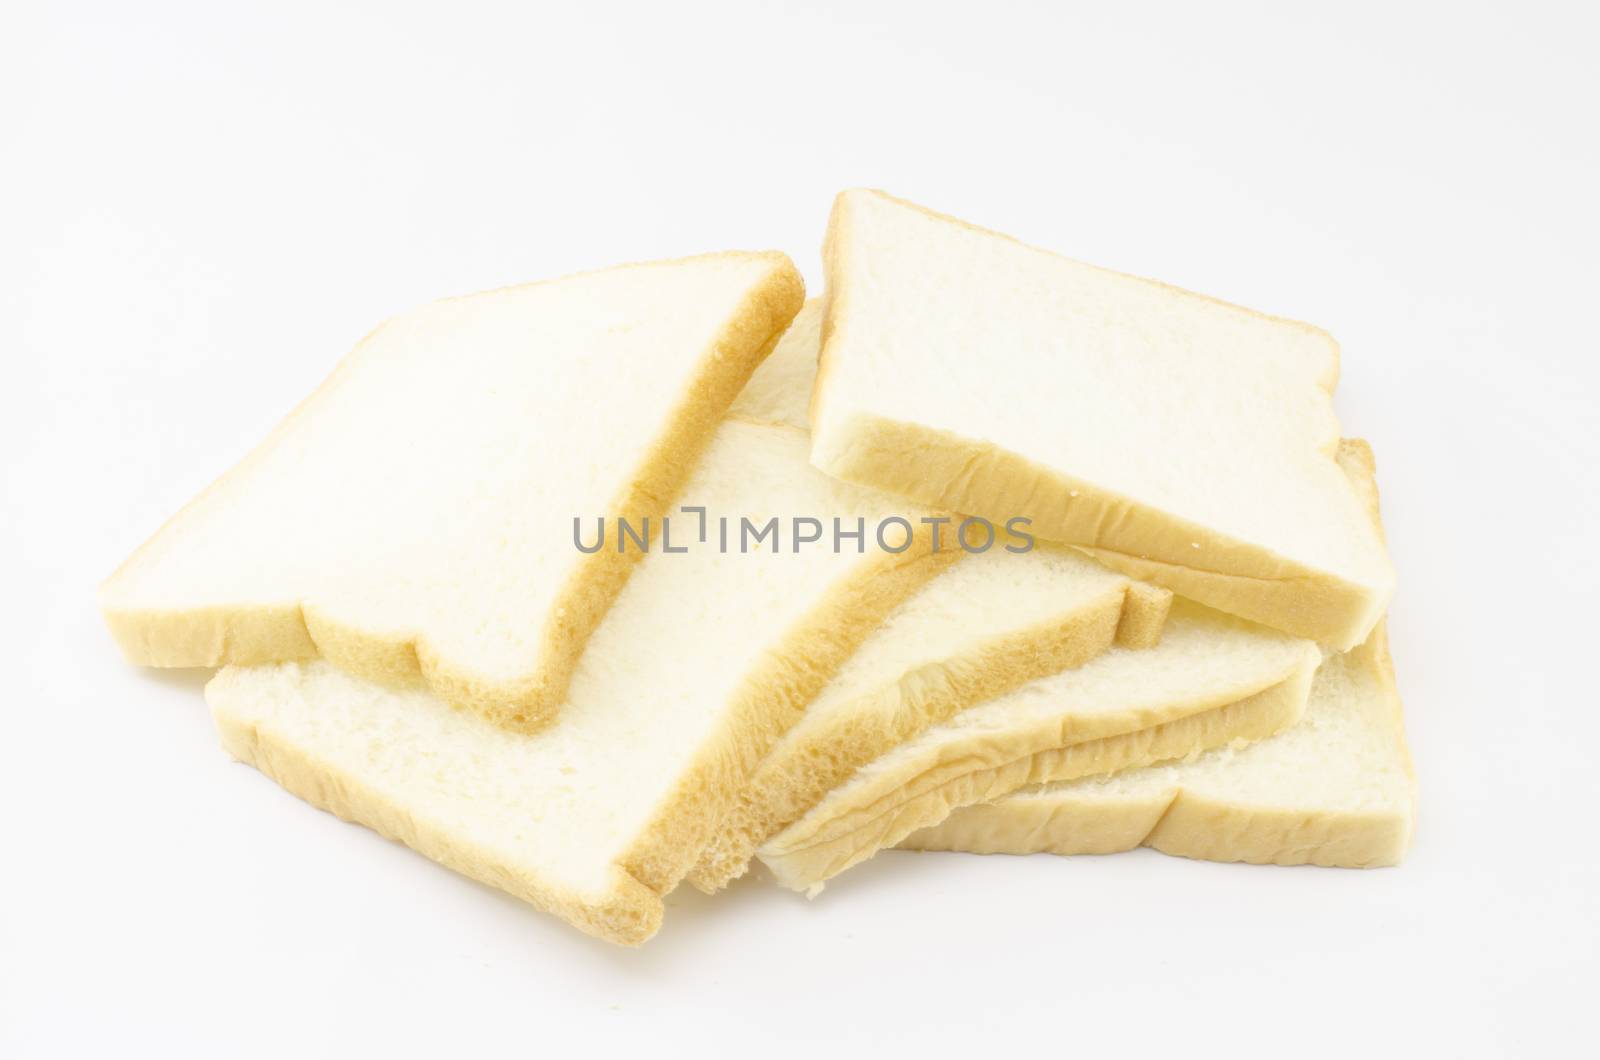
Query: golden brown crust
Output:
(247,637)
(1144,616)
(983,479)
(252,634)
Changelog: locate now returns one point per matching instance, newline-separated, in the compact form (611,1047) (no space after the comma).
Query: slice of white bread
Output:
(415,517)
(1212,680)
(991,623)
(1336,789)
(988,625)
(1187,442)
(706,657)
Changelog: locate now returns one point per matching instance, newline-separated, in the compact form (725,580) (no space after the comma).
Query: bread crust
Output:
(298,629)
(627,913)
(791,782)
(775,694)
(897,805)
(1190,824)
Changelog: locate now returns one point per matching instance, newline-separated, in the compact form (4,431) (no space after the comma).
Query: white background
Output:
(205,205)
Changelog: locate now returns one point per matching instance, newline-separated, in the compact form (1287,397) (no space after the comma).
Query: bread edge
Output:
(773,697)
(628,913)
(1184,824)
(804,858)
(793,779)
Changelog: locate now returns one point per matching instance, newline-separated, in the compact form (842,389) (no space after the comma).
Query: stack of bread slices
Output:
(590,587)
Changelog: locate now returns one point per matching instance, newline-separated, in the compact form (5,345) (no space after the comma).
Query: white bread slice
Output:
(1336,790)
(702,663)
(1187,442)
(1212,680)
(990,624)
(414,518)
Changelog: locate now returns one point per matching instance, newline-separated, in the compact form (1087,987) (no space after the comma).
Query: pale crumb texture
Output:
(705,659)
(412,521)
(1212,680)
(990,624)
(1335,790)
(1202,458)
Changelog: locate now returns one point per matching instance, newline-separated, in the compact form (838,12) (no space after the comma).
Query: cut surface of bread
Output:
(1337,789)
(414,519)
(702,663)
(988,625)
(1184,441)
(1212,680)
